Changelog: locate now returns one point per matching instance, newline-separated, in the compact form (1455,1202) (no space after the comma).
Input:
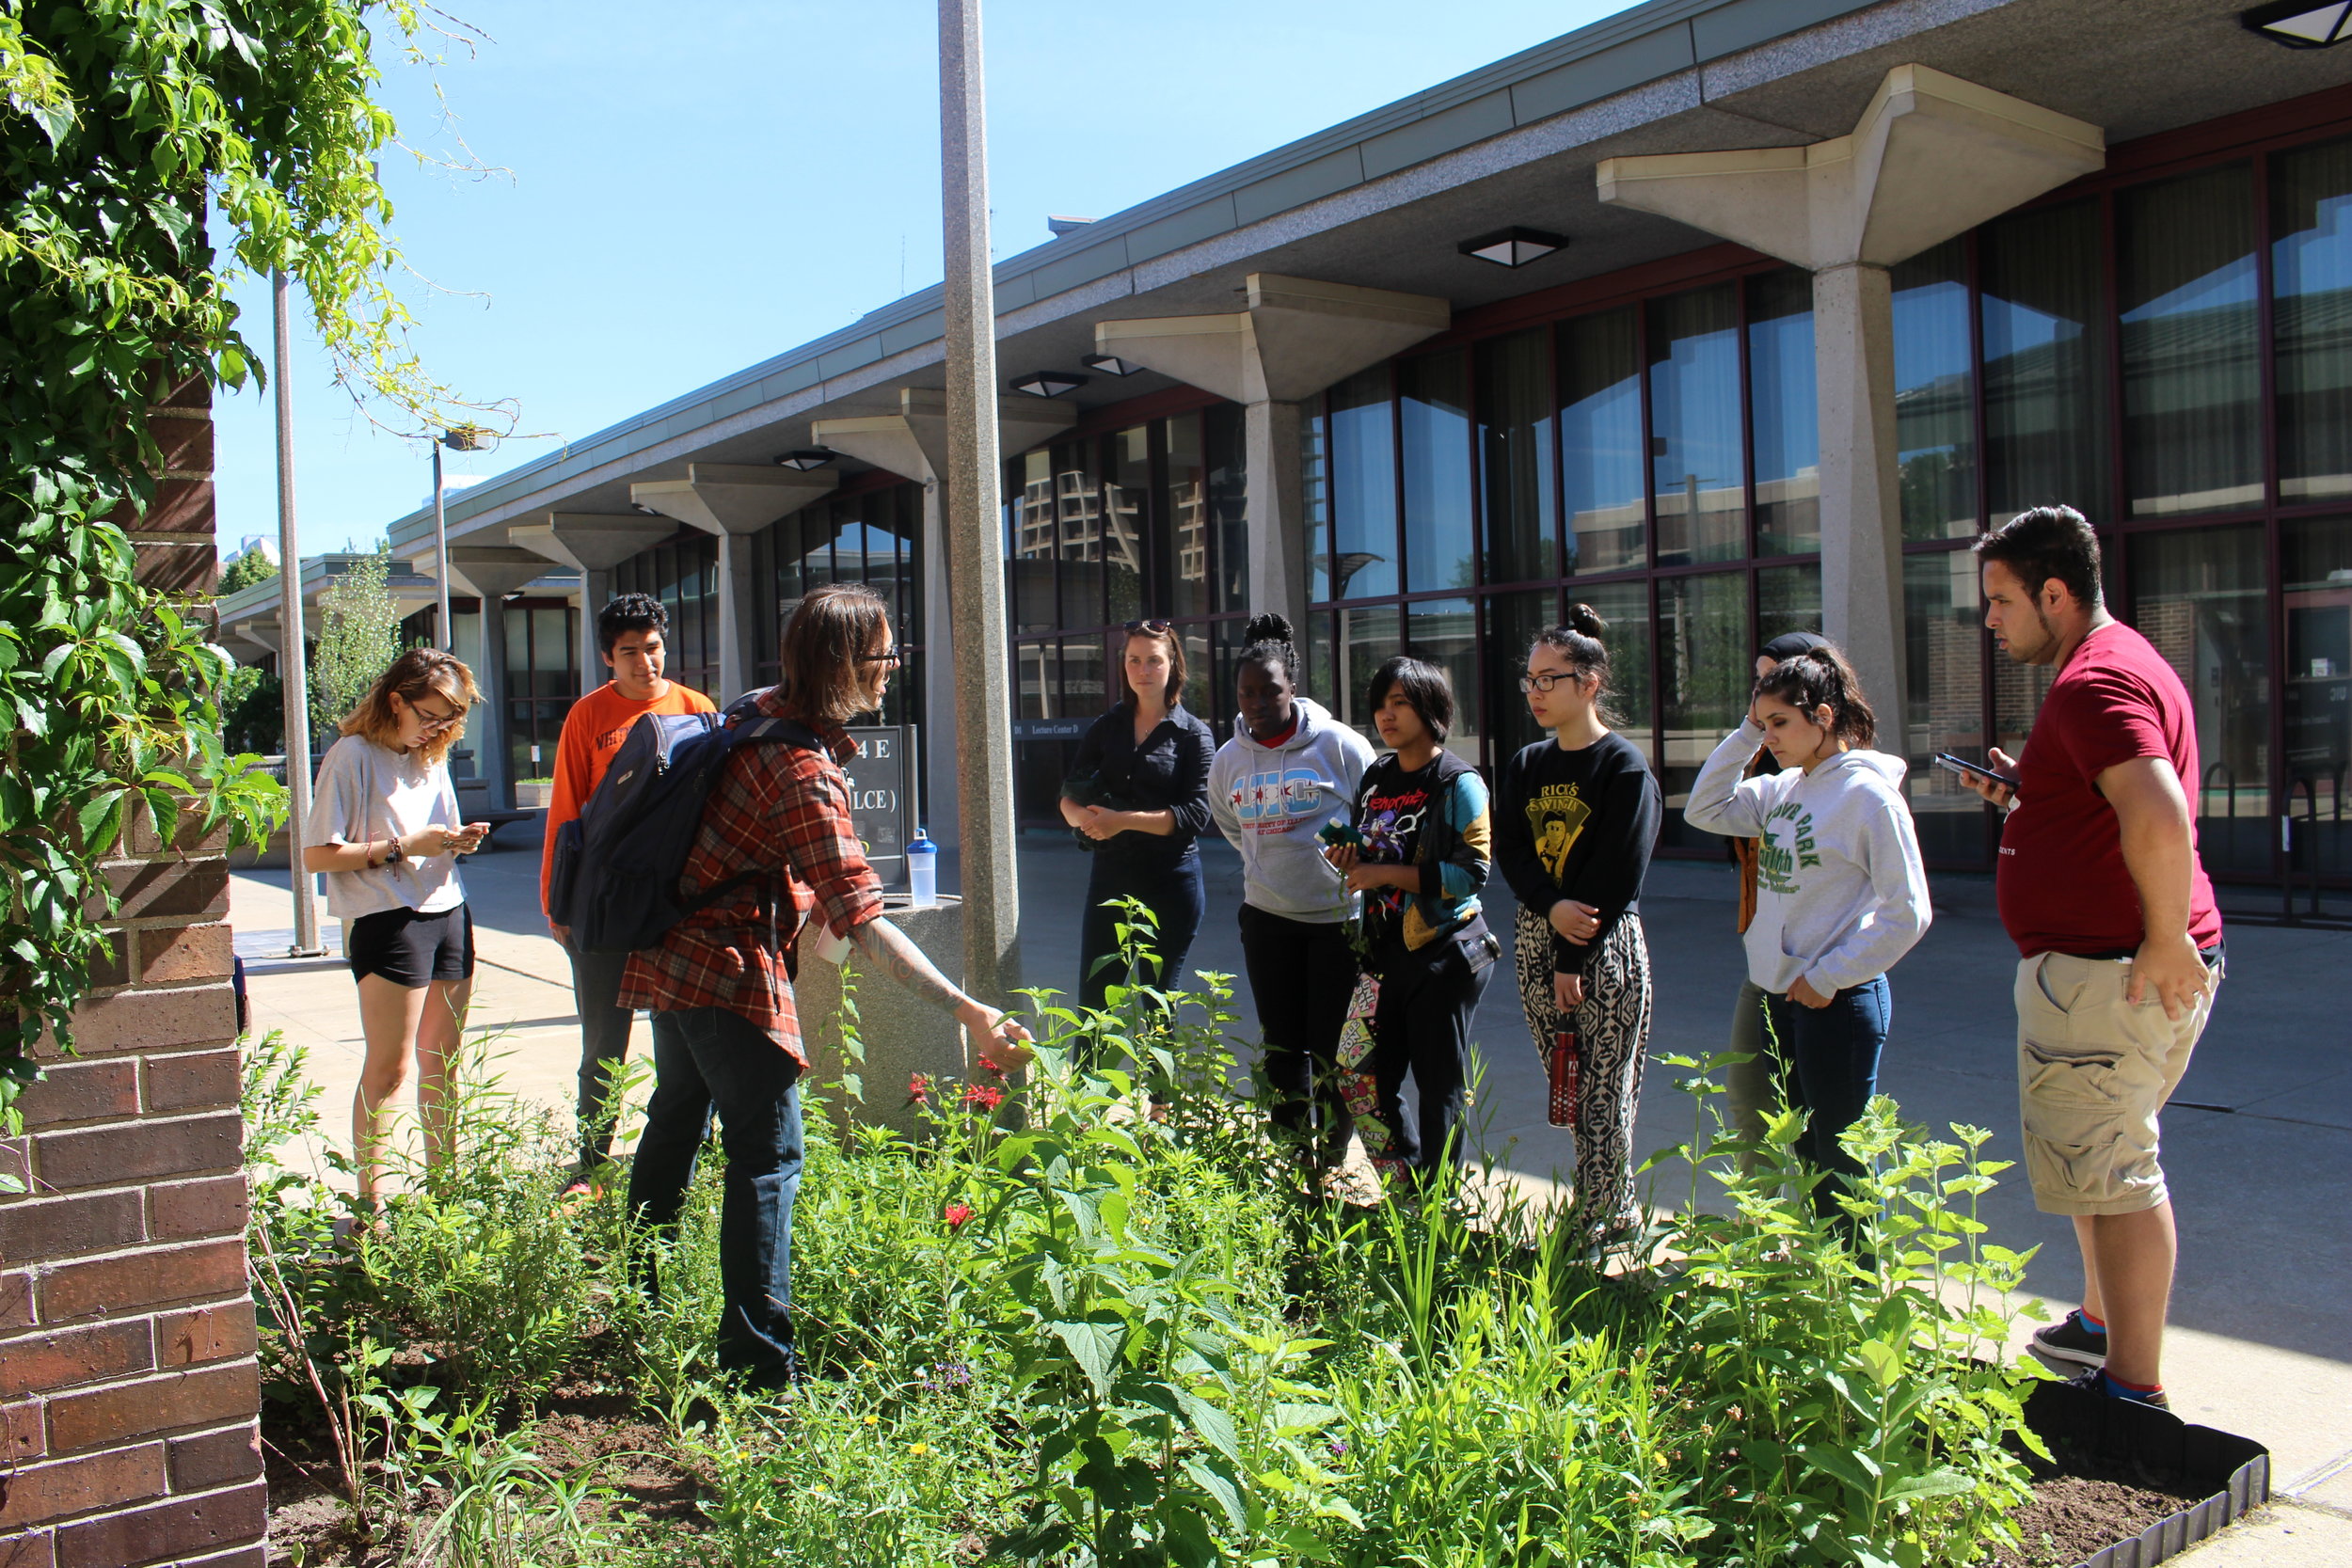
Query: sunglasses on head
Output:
(1153,629)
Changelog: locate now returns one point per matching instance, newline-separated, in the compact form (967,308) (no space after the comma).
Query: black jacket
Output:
(1169,771)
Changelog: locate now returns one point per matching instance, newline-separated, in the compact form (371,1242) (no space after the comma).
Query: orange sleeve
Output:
(573,763)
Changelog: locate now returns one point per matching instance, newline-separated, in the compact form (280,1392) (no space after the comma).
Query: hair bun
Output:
(1584,620)
(1267,627)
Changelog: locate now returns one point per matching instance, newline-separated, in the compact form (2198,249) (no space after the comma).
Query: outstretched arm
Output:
(998,1037)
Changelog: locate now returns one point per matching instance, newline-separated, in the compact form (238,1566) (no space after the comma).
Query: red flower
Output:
(919,1090)
(957,1214)
(982,1096)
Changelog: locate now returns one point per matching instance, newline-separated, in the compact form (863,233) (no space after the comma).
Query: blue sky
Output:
(697,187)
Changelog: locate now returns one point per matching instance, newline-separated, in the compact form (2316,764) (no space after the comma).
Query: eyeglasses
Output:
(1151,628)
(895,654)
(435,723)
(1544,683)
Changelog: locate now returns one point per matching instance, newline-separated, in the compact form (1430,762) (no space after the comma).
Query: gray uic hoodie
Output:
(1841,893)
(1269,801)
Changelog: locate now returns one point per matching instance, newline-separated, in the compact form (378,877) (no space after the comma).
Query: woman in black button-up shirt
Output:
(1139,791)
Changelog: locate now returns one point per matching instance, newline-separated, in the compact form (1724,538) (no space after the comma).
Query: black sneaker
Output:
(2092,1379)
(2069,1343)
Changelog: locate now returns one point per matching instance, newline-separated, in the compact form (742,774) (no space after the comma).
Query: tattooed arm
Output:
(998,1038)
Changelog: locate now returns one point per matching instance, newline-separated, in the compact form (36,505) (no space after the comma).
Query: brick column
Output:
(129,1393)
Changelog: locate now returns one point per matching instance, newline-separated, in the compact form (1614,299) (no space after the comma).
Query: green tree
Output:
(359,638)
(123,124)
(244,572)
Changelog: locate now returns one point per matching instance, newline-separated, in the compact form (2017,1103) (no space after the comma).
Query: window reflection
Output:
(1936,411)
(2316,566)
(1367,638)
(1120,544)
(1444,632)
(1697,472)
(1786,412)
(1625,605)
(2045,365)
(1433,425)
(1364,486)
(1600,442)
(1031,548)
(1706,670)
(2192,415)
(2203,599)
(1944,687)
(1224,453)
(2311,270)
(1512,622)
(1515,457)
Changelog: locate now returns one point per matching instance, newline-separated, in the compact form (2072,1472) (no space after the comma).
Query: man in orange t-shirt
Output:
(630,632)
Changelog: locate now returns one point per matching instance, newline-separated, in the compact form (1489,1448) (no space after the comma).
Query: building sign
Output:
(1051,729)
(880,804)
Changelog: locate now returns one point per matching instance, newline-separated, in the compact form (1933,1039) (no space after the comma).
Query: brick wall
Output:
(128,1387)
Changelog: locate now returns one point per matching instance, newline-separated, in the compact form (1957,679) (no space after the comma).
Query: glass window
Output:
(2317,573)
(1512,622)
(1227,456)
(1201,682)
(2045,365)
(1696,467)
(1364,486)
(551,651)
(1785,412)
(1031,548)
(1787,598)
(1086,679)
(2192,408)
(1433,425)
(1944,681)
(2311,272)
(2202,598)
(1706,669)
(1035,672)
(1935,396)
(1317,654)
(1367,639)
(1187,510)
(1078,534)
(1624,608)
(1121,544)
(1445,633)
(1600,443)
(1314,503)
(1515,457)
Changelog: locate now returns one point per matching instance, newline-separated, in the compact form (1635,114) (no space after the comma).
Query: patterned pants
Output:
(1612,1021)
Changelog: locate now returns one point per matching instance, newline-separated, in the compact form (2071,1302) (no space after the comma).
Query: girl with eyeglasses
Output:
(1138,797)
(1576,817)
(386,830)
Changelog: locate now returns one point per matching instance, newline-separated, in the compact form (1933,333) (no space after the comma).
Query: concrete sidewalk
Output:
(2259,1144)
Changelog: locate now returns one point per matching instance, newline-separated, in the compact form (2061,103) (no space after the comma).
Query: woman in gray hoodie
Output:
(1290,768)
(1841,893)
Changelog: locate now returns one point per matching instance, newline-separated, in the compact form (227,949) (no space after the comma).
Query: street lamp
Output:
(464,438)
(2301,24)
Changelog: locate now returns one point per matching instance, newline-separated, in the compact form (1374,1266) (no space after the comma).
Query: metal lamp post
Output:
(294,683)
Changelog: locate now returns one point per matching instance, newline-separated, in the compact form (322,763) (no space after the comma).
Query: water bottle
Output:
(923,870)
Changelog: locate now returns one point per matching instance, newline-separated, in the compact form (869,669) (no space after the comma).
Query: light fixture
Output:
(2300,24)
(1049,383)
(807,458)
(1110,364)
(1516,248)
(647,510)
(1062,223)
(466,438)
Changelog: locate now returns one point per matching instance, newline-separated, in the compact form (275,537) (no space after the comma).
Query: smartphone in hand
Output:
(1967,770)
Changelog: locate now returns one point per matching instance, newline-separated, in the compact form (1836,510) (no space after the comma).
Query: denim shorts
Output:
(2093,1070)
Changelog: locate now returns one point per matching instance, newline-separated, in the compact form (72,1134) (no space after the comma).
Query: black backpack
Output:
(615,877)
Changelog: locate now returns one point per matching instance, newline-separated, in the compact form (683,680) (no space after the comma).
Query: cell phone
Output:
(1972,769)
(1336,833)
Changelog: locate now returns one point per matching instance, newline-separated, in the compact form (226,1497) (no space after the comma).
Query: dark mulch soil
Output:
(2070,1518)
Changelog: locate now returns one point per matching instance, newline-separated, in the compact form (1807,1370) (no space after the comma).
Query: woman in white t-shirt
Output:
(384,827)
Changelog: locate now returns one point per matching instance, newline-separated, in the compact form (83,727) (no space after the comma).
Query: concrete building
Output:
(1727,317)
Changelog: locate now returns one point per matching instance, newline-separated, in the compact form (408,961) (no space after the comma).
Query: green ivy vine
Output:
(124,125)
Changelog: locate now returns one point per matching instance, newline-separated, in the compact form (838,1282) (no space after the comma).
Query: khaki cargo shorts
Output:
(2092,1071)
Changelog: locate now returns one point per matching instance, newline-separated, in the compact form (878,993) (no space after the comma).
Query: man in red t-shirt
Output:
(2099,885)
(630,631)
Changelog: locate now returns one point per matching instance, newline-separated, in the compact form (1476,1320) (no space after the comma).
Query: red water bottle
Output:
(1565,1057)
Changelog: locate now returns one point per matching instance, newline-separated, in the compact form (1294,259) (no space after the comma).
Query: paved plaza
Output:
(2258,1147)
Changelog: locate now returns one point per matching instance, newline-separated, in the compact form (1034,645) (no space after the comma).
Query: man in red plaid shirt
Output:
(726,1034)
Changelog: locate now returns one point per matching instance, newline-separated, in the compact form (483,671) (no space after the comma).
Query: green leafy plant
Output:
(358,637)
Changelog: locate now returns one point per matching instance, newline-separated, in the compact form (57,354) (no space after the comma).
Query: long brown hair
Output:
(833,632)
(1175,692)
(1817,678)
(412,675)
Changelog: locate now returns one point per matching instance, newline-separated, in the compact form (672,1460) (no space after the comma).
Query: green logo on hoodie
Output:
(1786,847)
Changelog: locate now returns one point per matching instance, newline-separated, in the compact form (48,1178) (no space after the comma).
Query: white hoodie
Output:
(1840,892)
(1269,801)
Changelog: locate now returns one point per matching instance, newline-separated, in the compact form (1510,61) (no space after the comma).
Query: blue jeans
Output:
(1829,1064)
(1174,895)
(706,1058)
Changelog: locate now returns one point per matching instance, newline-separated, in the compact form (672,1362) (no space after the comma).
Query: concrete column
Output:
(594,542)
(1861,536)
(491,573)
(1932,156)
(734,500)
(913,443)
(1295,337)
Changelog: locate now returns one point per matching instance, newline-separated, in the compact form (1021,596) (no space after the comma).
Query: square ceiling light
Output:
(1516,248)
(2300,24)
(807,458)
(1049,383)
(1110,364)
